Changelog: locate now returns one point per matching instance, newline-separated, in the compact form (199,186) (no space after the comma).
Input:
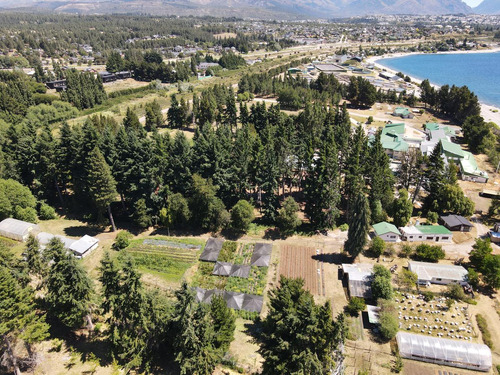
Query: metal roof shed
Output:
(260,260)
(359,279)
(44,239)
(212,250)
(263,248)
(84,245)
(444,351)
(17,230)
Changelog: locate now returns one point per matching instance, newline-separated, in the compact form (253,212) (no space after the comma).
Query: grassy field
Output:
(164,257)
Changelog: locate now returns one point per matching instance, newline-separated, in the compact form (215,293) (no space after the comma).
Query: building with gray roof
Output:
(359,279)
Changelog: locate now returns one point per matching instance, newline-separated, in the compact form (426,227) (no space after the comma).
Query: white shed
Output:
(84,245)
(444,351)
(17,230)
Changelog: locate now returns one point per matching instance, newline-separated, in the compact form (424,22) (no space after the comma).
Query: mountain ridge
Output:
(255,8)
(488,7)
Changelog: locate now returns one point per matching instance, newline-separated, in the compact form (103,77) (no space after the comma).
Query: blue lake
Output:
(479,71)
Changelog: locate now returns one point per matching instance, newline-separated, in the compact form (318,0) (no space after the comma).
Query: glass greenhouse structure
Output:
(444,351)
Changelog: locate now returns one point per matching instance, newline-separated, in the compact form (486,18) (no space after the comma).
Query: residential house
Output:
(456,223)
(435,233)
(470,171)
(403,113)
(386,231)
(451,151)
(434,273)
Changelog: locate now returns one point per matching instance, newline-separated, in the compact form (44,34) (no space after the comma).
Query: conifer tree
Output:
(230,112)
(298,336)
(102,185)
(223,319)
(19,319)
(69,289)
(195,344)
(322,190)
(174,114)
(131,121)
(380,175)
(154,117)
(359,221)
(34,259)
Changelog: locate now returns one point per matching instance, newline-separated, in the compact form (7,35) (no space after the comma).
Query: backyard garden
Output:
(238,254)
(165,257)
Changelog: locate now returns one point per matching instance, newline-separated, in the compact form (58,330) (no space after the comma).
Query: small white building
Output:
(84,246)
(434,273)
(386,231)
(420,233)
(17,229)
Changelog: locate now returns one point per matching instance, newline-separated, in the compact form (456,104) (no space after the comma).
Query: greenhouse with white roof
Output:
(444,351)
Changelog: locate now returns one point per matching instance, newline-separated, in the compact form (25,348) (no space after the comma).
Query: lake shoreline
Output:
(490,113)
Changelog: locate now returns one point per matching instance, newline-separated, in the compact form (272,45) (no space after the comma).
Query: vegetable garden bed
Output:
(166,257)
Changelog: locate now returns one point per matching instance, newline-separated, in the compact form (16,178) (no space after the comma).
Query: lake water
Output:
(479,71)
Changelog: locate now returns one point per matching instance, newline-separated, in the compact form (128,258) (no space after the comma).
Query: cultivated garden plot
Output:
(238,254)
(165,257)
(434,318)
(298,261)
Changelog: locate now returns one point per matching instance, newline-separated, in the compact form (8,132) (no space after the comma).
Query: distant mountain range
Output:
(488,7)
(252,8)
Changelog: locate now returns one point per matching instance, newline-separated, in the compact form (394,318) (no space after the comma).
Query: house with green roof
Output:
(421,233)
(451,151)
(433,126)
(470,171)
(392,139)
(403,112)
(386,231)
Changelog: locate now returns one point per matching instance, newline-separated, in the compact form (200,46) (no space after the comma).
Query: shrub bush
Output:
(406,251)
(356,304)
(428,296)
(46,212)
(432,217)
(483,327)
(429,253)
(122,240)
(389,324)
(344,227)
(456,292)
(377,247)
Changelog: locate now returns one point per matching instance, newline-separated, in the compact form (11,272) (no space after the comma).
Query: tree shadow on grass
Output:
(81,230)
(333,258)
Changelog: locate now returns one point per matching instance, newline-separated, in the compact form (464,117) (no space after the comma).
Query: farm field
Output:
(167,258)
(299,262)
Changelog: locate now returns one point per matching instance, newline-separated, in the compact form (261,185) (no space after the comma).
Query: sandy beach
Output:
(489,113)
